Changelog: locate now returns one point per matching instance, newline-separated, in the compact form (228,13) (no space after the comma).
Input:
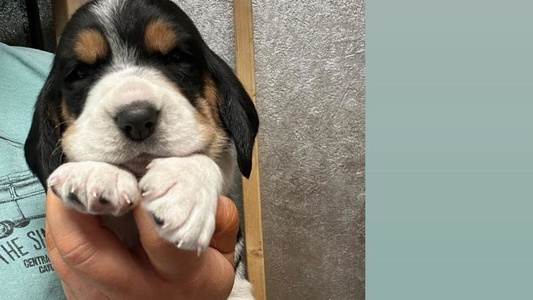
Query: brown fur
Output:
(68,117)
(209,117)
(53,114)
(211,99)
(159,36)
(91,46)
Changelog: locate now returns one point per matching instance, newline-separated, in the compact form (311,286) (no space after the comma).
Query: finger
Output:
(170,261)
(164,257)
(73,286)
(68,292)
(73,293)
(61,269)
(227,225)
(209,274)
(91,251)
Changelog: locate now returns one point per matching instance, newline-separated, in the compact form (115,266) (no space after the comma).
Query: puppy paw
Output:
(182,193)
(95,187)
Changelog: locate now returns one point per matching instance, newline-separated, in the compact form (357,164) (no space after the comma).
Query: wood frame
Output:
(244,38)
(63,9)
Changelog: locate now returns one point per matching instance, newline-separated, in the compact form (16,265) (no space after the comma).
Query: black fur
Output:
(237,111)
(42,149)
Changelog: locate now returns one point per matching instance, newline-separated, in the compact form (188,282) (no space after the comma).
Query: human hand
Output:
(93,263)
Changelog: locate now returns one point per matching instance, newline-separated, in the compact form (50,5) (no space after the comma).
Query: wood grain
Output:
(244,37)
(63,9)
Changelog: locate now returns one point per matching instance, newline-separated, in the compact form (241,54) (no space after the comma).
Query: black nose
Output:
(137,122)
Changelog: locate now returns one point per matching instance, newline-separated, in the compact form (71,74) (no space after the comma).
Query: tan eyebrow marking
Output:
(65,112)
(90,46)
(159,36)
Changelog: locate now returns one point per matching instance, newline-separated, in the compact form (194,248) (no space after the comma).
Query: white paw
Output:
(95,187)
(182,193)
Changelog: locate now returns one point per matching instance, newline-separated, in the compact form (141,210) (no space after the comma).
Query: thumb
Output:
(81,246)
(170,261)
(226,228)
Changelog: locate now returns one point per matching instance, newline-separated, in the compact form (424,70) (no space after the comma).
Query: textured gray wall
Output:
(310,90)
(214,19)
(15,27)
(13,23)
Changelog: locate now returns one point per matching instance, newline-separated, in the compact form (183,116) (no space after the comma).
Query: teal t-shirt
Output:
(25,269)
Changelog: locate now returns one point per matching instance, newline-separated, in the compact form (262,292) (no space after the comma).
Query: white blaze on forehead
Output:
(130,84)
(106,12)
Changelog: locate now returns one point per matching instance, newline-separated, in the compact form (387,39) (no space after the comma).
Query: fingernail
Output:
(53,188)
(151,164)
(127,199)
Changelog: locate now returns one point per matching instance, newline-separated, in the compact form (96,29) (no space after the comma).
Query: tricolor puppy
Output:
(137,106)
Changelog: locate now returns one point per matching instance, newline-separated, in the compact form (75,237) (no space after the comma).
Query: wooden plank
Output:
(63,9)
(244,36)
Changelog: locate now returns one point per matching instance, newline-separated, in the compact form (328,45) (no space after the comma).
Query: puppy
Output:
(137,106)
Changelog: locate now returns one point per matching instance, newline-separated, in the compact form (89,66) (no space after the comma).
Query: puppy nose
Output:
(137,121)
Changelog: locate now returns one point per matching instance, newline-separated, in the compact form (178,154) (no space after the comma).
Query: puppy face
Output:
(131,81)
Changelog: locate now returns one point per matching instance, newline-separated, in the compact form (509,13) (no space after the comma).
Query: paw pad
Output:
(158,220)
(74,198)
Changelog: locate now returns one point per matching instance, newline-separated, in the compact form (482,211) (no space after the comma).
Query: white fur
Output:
(183,192)
(92,181)
(106,11)
(242,289)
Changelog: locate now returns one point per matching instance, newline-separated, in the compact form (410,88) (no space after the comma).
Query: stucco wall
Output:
(310,63)
(27,23)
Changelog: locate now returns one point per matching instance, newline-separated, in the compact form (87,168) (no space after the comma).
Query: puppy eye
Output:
(175,56)
(81,71)
(179,56)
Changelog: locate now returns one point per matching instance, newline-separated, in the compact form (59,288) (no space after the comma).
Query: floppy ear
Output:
(237,110)
(42,148)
